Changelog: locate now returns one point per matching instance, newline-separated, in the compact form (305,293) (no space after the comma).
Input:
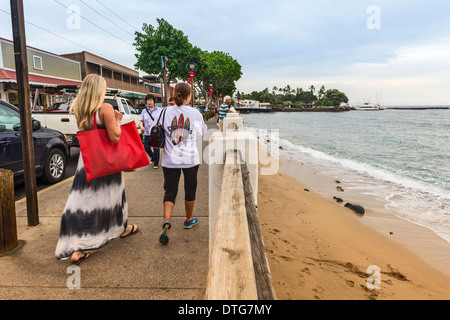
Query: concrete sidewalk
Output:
(137,267)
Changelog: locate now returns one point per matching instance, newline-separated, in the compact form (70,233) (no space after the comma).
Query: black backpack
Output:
(157,134)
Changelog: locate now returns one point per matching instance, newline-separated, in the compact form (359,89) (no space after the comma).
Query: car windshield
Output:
(9,119)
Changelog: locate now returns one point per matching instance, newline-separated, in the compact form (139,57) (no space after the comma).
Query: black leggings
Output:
(172,178)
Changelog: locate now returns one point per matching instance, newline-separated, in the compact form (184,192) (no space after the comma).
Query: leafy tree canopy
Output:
(297,97)
(336,97)
(221,71)
(165,40)
(215,69)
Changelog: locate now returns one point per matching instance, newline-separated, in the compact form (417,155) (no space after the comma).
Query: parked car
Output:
(51,151)
(66,123)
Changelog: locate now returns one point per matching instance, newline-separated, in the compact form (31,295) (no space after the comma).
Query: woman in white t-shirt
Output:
(182,124)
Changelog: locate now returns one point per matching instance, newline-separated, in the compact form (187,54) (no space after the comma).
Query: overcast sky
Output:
(396,51)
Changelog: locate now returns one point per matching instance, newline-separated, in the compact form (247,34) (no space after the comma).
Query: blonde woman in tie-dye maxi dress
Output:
(95,212)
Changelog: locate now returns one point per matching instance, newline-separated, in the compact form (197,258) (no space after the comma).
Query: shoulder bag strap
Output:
(163,111)
(95,118)
(149,114)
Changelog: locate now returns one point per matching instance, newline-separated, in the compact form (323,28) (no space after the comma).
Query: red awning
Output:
(10,76)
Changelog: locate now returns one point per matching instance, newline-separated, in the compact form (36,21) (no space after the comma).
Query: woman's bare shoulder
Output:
(106,106)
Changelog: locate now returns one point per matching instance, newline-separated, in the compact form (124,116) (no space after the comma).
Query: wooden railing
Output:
(238,268)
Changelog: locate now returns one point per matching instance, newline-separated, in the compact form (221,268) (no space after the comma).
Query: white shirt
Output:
(148,122)
(182,125)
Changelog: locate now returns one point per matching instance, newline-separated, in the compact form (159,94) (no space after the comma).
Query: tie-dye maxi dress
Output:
(95,213)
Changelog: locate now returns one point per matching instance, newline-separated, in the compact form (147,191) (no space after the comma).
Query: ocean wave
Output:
(363,168)
(409,199)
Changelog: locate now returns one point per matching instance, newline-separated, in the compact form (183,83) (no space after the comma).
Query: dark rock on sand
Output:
(339,188)
(338,199)
(355,207)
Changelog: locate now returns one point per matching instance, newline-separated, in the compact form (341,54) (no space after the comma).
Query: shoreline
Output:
(318,249)
(422,241)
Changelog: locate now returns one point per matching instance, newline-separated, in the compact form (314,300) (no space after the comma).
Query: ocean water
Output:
(399,156)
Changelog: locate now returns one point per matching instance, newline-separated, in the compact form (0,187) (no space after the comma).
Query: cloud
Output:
(415,74)
(276,42)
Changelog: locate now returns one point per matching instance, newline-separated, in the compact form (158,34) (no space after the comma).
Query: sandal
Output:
(164,235)
(133,231)
(84,257)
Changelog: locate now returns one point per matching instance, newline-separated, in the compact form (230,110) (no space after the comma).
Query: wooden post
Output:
(20,53)
(8,226)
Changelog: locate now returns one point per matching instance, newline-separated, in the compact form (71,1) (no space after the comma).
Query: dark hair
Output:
(149,96)
(182,92)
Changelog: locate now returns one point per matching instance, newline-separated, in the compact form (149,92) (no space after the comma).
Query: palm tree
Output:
(274,90)
(287,89)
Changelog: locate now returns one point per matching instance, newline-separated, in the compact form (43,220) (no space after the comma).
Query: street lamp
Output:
(192,66)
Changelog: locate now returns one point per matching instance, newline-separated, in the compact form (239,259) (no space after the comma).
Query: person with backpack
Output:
(182,124)
(149,117)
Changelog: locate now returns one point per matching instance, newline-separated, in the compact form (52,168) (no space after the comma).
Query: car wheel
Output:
(55,166)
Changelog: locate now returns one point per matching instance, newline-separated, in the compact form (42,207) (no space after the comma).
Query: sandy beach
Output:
(320,250)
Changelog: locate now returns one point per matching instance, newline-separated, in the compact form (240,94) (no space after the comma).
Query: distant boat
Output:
(368,107)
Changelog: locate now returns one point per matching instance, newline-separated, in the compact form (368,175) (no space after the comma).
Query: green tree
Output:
(274,90)
(336,97)
(165,40)
(219,70)
(321,93)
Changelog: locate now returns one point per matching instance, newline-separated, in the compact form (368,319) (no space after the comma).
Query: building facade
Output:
(51,76)
(124,80)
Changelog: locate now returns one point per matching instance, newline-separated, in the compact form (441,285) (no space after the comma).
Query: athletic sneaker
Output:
(190,223)
(164,235)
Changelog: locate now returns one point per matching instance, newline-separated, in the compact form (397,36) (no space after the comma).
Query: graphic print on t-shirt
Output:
(180,130)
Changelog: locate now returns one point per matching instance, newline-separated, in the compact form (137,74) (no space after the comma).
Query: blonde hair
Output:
(89,99)
(181,93)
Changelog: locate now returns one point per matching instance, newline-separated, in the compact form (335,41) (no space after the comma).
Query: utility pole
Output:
(166,93)
(26,131)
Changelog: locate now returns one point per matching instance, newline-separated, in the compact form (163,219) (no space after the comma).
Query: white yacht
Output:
(368,107)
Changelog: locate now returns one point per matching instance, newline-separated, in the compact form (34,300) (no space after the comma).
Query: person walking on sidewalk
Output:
(96,212)
(182,125)
(148,119)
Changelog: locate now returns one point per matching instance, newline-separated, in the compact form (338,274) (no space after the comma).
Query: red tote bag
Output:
(103,157)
